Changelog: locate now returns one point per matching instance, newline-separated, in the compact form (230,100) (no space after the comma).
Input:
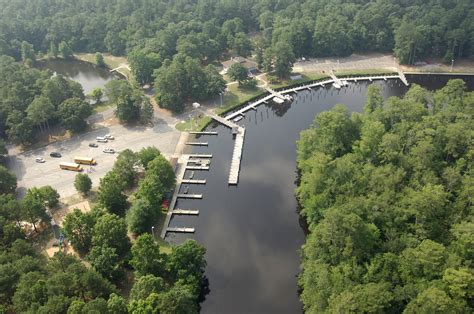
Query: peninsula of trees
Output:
(387,195)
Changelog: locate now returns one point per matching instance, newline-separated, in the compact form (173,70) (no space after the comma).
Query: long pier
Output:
(193,196)
(180,229)
(197,167)
(203,133)
(191,181)
(197,143)
(186,212)
(275,94)
(236,156)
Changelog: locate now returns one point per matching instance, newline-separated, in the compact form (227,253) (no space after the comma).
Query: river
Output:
(252,231)
(87,74)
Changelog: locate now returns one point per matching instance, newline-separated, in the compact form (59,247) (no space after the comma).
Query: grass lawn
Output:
(111,61)
(101,107)
(363,72)
(195,124)
(236,96)
(305,77)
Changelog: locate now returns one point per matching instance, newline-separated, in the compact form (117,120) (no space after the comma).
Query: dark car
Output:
(93,145)
(55,155)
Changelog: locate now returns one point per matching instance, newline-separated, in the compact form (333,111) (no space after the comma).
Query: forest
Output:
(387,195)
(106,263)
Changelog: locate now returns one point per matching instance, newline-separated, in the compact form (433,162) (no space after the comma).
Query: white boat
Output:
(278,100)
(238,118)
(336,85)
(344,83)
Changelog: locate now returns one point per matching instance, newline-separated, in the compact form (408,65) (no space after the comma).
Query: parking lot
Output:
(30,173)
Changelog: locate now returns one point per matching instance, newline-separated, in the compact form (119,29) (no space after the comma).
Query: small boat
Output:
(238,118)
(191,175)
(278,100)
(336,85)
(186,189)
(344,83)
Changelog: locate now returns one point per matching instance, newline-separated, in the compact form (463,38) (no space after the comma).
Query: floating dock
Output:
(203,133)
(200,155)
(180,229)
(193,196)
(197,143)
(186,212)
(236,157)
(197,167)
(190,181)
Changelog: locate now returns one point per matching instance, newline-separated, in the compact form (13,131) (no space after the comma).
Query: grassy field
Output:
(305,77)
(111,61)
(194,124)
(236,96)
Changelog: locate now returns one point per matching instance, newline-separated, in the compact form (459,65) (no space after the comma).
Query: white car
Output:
(109,137)
(109,150)
(40,160)
(102,140)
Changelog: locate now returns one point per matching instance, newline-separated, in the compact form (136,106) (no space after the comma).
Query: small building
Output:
(251,66)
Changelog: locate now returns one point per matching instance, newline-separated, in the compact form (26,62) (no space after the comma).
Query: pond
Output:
(87,74)
(252,231)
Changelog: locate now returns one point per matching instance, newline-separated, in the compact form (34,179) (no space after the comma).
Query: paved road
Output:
(29,173)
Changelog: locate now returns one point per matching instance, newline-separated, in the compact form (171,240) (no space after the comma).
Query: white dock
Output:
(200,155)
(193,196)
(197,143)
(180,229)
(190,181)
(236,157)
(185,212)
(224,121)
(203,133)
(197,167)
(275,94)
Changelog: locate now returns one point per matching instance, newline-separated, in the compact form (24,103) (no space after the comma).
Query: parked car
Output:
(55,155)
(109,150)
(102,140)
(109,137)
(40,160)
(93,145)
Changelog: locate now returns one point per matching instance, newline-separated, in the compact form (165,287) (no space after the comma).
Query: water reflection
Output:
(252,231)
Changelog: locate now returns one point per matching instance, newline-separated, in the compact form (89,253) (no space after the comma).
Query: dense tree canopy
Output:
(385,196)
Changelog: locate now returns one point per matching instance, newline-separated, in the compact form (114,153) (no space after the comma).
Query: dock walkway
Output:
(236,156)
(274,93)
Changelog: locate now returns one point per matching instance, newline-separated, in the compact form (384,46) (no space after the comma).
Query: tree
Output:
(65,51)
(111,231)
(116,304)
(215,82)
(27,52)
(147,154)
(31,290)
(33,209)
(97,94)
(146,285)
(78,228)
(128,109)
(141,216)
(158,180)
(237,72)
(116,89)
(110,194)
(53,49)
(3,148)
(7,181)
(106,262)
(124,167)
(83,183)
(99,60)
(179,299)
(19,128)
(433,300)
(374,99)
(48,195)
(40,111)
(143,65)
(187,260)
(72,113)
(242,44)
(283,59)
(147,258)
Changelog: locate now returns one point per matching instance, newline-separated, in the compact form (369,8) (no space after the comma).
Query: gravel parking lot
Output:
(30,173)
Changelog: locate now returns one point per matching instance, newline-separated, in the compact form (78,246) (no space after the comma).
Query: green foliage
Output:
(184,78)
(110,194)
(143,64)
(65,51)
(147,154)
(73,113)
(147,258)
(106,262)
(116,304)
(97,94)
(384,194)
(27,52)
(82,183)
(237,72)
(141,216)
(146,285)
(124,168)
(110,231)
(7,181)
(159,179)
(99,60)
(78,227)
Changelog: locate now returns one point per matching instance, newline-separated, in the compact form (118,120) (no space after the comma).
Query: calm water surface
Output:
(85,73)
(252,231)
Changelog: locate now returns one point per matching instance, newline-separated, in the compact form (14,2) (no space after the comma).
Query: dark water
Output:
(252,231)
(85,73)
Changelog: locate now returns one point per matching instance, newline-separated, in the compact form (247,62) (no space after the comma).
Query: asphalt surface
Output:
(30,173)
